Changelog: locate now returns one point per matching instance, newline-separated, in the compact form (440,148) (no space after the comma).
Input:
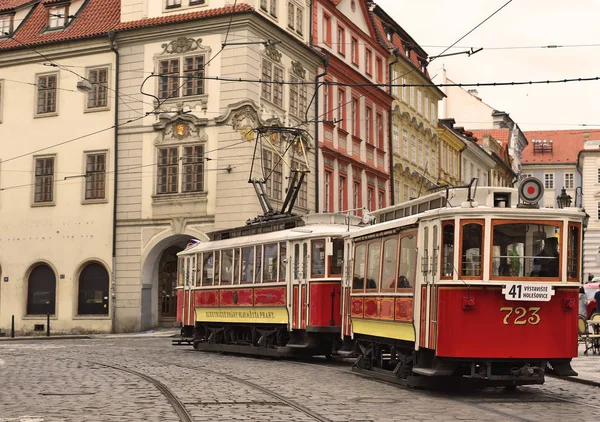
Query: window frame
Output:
(548,177)
(106,301)
(27,293)
(571,180)
(367,261)
(579,251)
(97,87)
(414,234)
(272,88)
(174,4)
(463,223)
(64,8)
(441,248)
(555,223)
(395,269)
(37,113)
(341,40)
(42,203)
(297,10)
(95,200)
(180,165)
(354,50)
(176,85)
(11,19)
(326,28)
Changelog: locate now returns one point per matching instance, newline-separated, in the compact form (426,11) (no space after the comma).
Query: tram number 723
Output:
(522,316)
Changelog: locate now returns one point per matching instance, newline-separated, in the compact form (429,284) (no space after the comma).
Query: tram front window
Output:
(526,249)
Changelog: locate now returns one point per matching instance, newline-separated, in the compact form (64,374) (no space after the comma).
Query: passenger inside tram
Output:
(546,262)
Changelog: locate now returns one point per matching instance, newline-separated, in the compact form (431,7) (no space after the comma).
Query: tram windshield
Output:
(526,249)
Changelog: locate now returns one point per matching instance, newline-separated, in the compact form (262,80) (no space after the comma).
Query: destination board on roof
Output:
(528,292)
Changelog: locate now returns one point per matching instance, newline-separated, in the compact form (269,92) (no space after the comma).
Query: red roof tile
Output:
(500,135)
(12,4)
(143,23)
(95,18)
(566,145)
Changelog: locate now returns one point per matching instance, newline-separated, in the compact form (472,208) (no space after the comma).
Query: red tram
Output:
(467,283)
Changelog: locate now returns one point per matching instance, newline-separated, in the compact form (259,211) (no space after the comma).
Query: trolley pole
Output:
(47,325)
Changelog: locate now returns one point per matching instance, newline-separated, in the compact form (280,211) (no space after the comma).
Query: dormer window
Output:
(6,22)
(58,16)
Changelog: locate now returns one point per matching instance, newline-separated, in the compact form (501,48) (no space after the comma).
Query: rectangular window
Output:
(270,264)
(358,276)
(408,260)
(263,5)
(599,175)
(173,3)
(413,147)
(295,17)
(447,250)
(405,193)
(379,129)
(355,118)
(373,264)
(471,257)
(370,199)
(426,164)
(419,101)
(328,187)
(193,168)
(394,82)
(354,46)
(44,180)
(168,162)
(404,91)
(317,258)
(6,22)
(405,143)
(341,107)
(379,69)
(226,266)
(247,265)
(327,29)
(426,107)
(396,191)
(420,154)
(273,8)
(342,194)
(433,116)
(573,252)
(193,71)
(168,82)
(298,98)
(58,17)
(46,94)
(569,181)
(341,41)
(273,175)
(327,101)
(549,180)
(272,92)
(396,138)
(356,195)
(98,98)
(95,176)
(412,96)
(368,125)
(368,61)
(390,263)
(303,193)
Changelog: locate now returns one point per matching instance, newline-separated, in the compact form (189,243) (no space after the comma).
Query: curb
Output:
(33,338)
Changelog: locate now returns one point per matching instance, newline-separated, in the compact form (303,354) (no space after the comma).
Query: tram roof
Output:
(310,231)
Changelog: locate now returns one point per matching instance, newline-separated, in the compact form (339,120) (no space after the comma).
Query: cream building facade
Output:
(56,167)
(186,157)
(414,135)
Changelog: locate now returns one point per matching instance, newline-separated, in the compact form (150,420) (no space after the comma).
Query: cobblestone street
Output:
(84,380)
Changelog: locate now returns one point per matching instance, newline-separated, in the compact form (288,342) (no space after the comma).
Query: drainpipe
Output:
(326,65)
(113,47)
(396,54)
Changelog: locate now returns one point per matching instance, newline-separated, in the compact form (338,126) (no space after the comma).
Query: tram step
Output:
(431,372)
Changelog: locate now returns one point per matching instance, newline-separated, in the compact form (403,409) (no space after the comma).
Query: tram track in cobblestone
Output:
(178,406)
(537,395)
(280,398)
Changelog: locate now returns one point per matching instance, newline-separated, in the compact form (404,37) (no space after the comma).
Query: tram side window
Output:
(237,261)
(282,261)
(447,250)
(181,273)
(336,261)
(258,261)
(358,281)
(270,263)
(217,266)
(193,278)
(317,258)
(408,258)
(373,264)
(226,266)
(207,269)
(247,265)
(573,252)
(187,270)
(471,249)
(196,271)
(525,249)
(390,264)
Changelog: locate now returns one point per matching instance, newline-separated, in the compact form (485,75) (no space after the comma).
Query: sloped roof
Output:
(566,145)
(163,20)
(500,135)
(6,5)
(96,17)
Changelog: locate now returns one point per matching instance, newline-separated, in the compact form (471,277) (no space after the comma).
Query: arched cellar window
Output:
(41,291)
(93,290)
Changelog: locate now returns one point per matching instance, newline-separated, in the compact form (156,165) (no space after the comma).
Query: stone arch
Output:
(154,252)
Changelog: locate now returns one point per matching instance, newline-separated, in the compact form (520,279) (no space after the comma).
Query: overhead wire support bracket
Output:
(468,53)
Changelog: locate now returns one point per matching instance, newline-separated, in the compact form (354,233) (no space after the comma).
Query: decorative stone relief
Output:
(182,45)
(298,69)
(244,118)
(272,53)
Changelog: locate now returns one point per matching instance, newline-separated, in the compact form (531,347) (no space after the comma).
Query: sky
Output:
(436,24)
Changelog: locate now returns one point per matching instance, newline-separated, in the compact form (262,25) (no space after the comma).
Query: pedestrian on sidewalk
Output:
(582,303)
(597,299)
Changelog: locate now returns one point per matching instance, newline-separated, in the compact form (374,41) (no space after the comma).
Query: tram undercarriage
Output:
(262,340)
(398,362)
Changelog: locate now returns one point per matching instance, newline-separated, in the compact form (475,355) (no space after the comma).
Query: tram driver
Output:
(545,264)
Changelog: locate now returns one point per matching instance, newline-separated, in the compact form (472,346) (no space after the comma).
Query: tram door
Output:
(428,300)
(300,259)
